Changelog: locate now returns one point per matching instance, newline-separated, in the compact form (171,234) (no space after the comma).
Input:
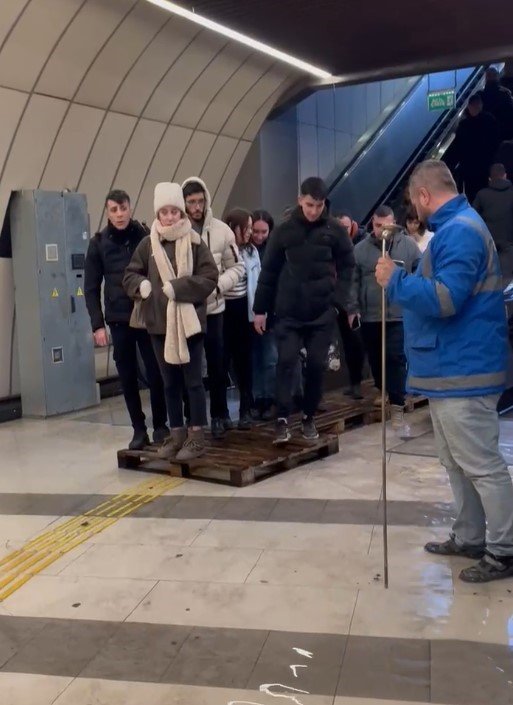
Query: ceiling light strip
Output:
(241,38)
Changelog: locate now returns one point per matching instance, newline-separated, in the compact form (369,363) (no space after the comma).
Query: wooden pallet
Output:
(241,458)
(338,413)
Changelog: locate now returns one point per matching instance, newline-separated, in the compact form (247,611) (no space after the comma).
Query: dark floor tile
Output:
(59,505)
(221,658)
(94,501)
(321,673)
(15,632)
(247,509)
(386,668)
(14,503)
(300,510)
(138,652)
(350,511)
(61,648)
(471,673)
(404,513)
(159,508)
(198,507)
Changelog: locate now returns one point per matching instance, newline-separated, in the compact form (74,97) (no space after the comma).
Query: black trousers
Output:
(238,349)
(291,336)
(180,379)
(395,358)
(353,349)
(214,352)
(125,342)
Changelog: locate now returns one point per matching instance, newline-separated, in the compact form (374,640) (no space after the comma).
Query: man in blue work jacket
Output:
(456,345)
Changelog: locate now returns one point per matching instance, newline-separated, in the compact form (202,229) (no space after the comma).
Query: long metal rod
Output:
(384,421)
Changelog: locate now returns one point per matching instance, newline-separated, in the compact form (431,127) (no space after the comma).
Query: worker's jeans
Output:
(467,437)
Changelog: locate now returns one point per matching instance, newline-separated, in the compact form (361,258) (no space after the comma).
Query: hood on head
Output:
(208,198)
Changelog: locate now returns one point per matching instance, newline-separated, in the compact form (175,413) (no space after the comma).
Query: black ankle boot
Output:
(139,440)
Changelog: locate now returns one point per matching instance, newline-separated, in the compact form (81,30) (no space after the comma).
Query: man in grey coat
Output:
(495,206)
(366,303)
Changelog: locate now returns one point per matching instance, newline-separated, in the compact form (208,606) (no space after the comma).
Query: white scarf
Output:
(182,321)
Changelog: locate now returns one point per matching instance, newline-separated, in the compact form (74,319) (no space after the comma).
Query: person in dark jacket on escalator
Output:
(306,272)
(108,255)
(475,144)
(495,206)
(498,101)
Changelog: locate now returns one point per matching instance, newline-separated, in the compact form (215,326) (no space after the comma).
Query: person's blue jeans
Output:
(265,357)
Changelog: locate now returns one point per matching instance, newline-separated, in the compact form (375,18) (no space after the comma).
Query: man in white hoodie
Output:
(221,242)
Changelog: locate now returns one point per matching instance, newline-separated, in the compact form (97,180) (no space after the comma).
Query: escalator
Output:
(378,172)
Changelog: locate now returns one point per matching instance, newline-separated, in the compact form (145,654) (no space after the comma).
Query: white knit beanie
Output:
(168,194)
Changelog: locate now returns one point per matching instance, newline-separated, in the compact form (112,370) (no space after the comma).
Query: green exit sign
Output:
(442,100)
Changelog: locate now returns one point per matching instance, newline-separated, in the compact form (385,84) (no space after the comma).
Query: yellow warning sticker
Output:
(79,291)
(55,294)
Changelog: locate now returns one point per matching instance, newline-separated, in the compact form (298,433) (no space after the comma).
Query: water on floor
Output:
(212,595)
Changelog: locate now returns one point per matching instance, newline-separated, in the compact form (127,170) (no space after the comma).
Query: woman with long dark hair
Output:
(265,353)
(238,316)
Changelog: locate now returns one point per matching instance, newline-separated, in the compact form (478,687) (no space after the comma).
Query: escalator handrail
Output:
(437,134)
(343,170)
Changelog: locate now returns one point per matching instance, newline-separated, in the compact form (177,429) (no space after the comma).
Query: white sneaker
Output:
(399,426)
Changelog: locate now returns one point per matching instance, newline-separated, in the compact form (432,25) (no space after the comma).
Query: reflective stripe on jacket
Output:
(453,308)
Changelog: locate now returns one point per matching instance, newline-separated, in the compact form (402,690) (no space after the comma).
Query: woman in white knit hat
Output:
(172,273)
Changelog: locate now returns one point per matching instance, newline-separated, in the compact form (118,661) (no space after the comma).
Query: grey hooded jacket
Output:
(365,290)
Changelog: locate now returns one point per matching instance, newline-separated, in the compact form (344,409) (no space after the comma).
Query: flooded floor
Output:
(200,594)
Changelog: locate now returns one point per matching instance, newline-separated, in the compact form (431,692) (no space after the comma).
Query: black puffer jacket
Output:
(495,205)
(109,254)
(307,269)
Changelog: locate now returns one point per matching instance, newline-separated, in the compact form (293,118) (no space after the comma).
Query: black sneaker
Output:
(245,422)
(450,548)
(489,568)
(227,423)
(356,392)
(282,433)
(308,429)
(160,434)
(217,428)
(140,440)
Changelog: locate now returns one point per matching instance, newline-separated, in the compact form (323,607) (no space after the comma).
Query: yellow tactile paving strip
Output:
(18,567)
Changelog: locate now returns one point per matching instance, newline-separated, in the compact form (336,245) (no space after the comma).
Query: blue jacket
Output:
(453,308)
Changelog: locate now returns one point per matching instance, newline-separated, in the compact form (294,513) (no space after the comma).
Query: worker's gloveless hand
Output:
(384,271)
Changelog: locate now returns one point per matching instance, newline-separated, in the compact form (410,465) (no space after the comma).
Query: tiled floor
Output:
(212,595)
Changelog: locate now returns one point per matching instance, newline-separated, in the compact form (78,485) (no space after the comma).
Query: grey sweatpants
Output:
(467,437)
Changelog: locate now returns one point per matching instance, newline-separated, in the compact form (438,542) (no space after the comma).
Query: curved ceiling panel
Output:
(72,145)
(208,84)
(12,105)
(130,38)
(194,156)
(218,111)
(102,163)
(191,63)
(32,40)
(97,94)
(152,66)
(10,10)
(78,47)
(29,150)
(163,164)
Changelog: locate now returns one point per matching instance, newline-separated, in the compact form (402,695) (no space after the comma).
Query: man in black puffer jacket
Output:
(306,274)
(109,254)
